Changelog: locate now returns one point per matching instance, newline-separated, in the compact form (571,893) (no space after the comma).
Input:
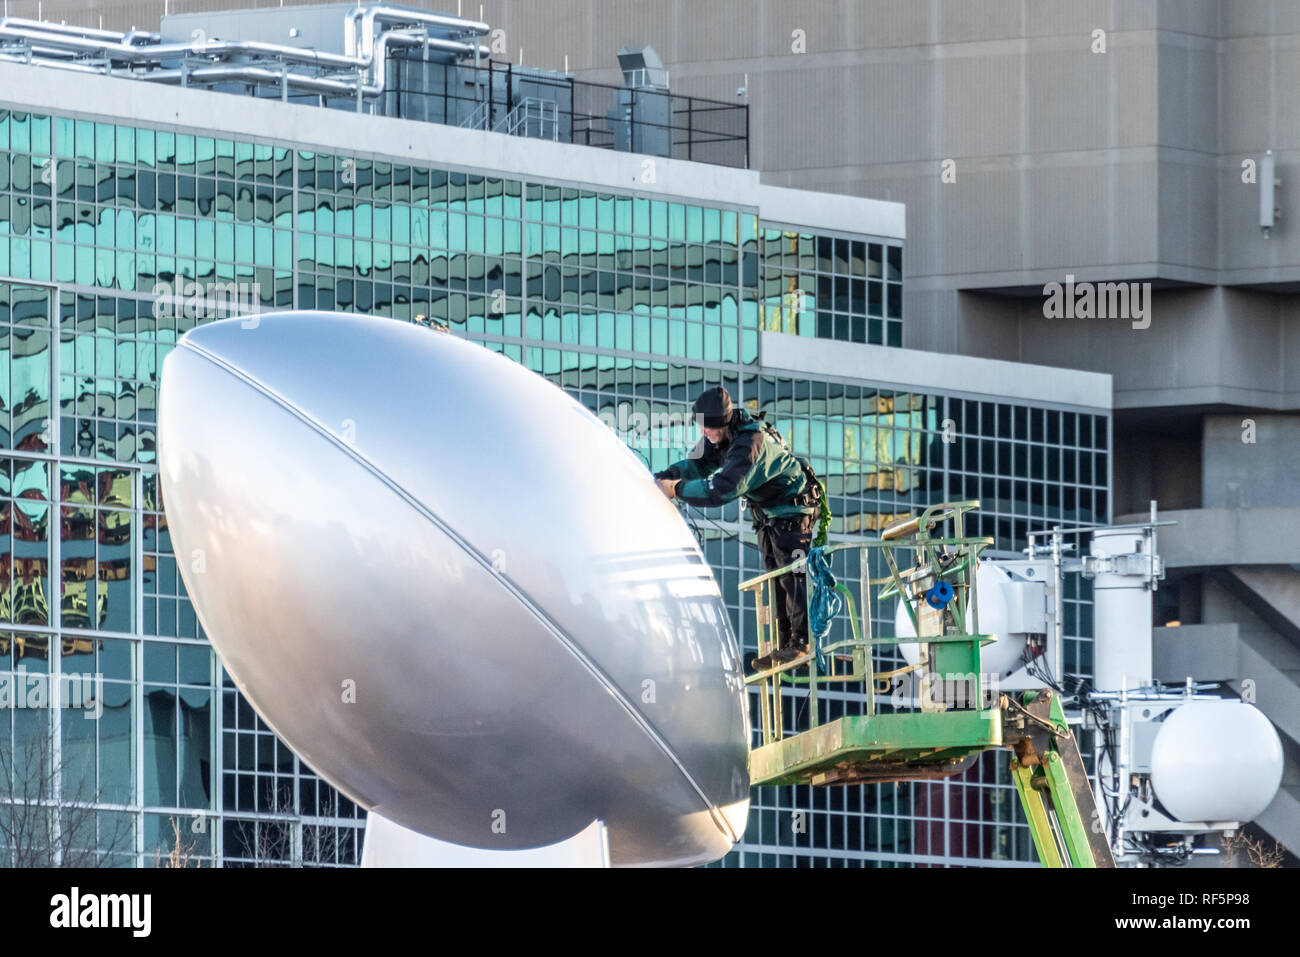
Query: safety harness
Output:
(815,494)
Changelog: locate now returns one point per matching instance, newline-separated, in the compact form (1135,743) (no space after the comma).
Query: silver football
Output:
(451,589)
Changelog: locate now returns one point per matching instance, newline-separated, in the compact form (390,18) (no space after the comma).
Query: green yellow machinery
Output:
(955,714)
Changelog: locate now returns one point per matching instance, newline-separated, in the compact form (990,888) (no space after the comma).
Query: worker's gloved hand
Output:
(668,487)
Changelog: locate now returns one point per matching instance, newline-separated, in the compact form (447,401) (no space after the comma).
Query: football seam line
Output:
(647,727)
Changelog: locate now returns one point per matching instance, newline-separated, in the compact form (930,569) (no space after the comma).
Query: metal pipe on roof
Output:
(159,52)
(258,75)
(250,72)
(258,48)
(359,25)
(53,64)
(43,51)
(64,30)
(369,53)
(415,39)
(156,53)
(403,38)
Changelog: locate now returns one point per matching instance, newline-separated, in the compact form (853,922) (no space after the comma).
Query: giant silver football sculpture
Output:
(452,589)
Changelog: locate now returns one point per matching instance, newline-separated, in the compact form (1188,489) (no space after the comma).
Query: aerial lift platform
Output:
(933,574)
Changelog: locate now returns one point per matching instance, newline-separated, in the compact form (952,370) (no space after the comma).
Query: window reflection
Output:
(95,543)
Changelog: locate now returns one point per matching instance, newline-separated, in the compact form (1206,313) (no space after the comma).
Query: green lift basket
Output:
(934,576)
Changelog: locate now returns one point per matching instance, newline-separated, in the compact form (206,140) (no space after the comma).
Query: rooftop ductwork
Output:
(642,69)
(395,61)
(360,25)
(369,34)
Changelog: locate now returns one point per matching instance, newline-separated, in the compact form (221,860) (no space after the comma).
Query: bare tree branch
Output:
(50,813)
(1242,850)
(182,853)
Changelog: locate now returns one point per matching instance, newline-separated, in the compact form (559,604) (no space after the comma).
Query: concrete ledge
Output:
(850,214)
(911,370)
(1208,396)
(1213,537)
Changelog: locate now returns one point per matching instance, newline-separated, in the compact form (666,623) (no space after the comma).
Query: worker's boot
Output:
(788,653)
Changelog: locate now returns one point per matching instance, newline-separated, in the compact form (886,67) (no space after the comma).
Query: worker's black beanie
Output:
(713,408)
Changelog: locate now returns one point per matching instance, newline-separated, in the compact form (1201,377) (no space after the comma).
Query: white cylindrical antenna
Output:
(1124,572)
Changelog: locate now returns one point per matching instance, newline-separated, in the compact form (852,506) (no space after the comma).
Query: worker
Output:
(741,455)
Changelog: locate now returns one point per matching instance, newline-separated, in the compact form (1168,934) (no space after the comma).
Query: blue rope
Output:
(824,602)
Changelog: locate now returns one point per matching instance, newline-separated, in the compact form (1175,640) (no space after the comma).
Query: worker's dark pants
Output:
(778,543)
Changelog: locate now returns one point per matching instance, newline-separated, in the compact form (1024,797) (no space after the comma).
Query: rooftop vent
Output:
(642,69)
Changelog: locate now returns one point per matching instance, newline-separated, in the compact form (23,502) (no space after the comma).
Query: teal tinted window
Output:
(830,287)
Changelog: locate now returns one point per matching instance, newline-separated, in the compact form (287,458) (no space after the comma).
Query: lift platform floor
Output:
(883,747)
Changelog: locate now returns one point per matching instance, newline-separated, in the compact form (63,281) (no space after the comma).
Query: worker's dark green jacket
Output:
(753,464)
